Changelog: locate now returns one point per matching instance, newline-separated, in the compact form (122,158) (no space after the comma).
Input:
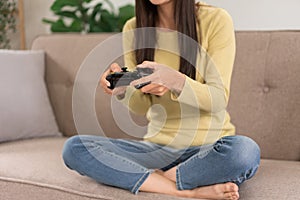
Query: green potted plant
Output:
(8,9)
(88,16)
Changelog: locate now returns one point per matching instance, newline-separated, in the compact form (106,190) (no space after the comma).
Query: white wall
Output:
(262,14)
(246,14)
(35,11)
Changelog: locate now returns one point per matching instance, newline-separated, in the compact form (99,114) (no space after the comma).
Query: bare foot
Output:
(226,191)
(219,191)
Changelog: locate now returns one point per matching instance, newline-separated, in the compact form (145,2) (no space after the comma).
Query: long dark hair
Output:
(185,20)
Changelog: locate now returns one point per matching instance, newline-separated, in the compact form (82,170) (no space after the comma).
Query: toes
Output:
(235,195)
(228,196)
(234,187)
(231,191)
(231,187)
(232,195)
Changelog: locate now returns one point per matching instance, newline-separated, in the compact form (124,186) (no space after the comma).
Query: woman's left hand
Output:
(161,80)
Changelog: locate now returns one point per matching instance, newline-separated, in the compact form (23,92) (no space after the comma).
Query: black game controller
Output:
(125,77)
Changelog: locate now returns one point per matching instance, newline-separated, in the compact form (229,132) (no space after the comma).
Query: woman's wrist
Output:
(179,84)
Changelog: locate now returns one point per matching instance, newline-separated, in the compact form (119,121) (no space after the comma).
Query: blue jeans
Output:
(127,163)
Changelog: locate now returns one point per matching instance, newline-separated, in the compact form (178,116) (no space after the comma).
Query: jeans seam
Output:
(139,183)
(178,179)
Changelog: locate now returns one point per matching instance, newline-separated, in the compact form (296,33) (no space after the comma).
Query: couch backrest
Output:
(265,90)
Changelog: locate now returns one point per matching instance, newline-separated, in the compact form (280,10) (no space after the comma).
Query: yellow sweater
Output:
(198,115)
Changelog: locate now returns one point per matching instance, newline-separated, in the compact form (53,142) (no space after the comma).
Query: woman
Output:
(191,153)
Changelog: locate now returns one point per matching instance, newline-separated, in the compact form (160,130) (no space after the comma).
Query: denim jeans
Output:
(127,163)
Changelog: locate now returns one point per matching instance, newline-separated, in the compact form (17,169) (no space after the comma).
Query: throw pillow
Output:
(25,110)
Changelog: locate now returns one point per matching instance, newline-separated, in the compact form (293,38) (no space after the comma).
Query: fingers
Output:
(103,82)
(142,80)
(150,88)
(154,89)
(147,64)
(115,67)
(160,92)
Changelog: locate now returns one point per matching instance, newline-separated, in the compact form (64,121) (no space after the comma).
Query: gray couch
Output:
(264,105)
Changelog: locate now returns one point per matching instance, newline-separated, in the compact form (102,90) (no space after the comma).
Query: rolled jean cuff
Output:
(137,186)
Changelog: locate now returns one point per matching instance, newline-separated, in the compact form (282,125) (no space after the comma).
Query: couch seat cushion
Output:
(35,167)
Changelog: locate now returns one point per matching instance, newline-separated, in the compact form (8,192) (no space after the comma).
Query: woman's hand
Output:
(105,84)
(156,89)
(162,80)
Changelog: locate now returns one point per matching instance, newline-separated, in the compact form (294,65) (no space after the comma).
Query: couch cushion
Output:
(274,180)
(33,165)
(24,103)
(265,94)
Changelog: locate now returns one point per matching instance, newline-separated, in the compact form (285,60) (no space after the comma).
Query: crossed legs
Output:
(212,174)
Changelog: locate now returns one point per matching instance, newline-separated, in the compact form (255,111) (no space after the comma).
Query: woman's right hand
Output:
(105,84)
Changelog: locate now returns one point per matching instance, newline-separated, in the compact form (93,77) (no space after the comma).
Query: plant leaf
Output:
(89,17)
(111,5)
(59,4)
(108,21)
(68,14)
(97,9)
(76,26)
(59,26)
(48,21)
(125,12)
(95,29)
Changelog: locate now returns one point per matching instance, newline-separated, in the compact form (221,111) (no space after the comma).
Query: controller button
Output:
(124,69)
